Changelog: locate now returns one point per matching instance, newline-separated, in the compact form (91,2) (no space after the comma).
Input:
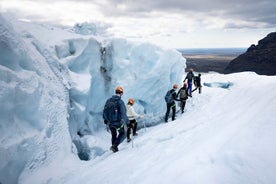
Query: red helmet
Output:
(131,101)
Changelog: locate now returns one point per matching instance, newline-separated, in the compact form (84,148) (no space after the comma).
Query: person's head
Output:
(184,84)
(175,86)
(119,90)
(199,74)
(191,69)
(131,101)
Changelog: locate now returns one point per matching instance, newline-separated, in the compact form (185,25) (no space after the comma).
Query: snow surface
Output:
(54,83)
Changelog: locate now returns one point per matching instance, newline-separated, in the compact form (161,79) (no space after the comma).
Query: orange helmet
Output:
(175,86)
(131,101)
(119,90)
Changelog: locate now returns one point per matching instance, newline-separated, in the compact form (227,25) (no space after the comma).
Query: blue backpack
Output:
(168,97)
(111,111)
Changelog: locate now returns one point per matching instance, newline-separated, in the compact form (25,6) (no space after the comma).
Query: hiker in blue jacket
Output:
(115,116)
(171,103)
(190,77)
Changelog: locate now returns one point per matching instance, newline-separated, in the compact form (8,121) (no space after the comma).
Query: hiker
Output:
(183,95)
(131,114)
(115,116)
(190,77)
(197,83)
(170,100)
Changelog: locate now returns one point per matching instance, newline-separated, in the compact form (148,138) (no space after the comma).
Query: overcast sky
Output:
(169,23)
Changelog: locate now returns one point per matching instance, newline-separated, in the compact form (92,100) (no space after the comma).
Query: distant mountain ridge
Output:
(259,58)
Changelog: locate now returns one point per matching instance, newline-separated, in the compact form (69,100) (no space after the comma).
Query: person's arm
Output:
(123,112)
(175,97)
(185,78)
(178,93)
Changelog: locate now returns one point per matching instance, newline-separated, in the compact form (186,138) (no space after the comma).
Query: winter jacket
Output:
(122,110)
(190,76)
(131,114)
(174,96)
(186,91)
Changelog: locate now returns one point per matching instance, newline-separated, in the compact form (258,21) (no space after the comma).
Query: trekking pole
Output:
(145,126)
(131,137)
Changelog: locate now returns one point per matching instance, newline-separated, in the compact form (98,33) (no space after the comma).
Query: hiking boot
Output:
(114,148)
(129,139)
(135,134)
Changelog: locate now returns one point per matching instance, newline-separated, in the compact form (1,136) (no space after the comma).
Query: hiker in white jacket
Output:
(131,114)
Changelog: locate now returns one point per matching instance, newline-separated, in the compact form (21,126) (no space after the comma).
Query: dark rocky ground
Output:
(260,58)
(207,60)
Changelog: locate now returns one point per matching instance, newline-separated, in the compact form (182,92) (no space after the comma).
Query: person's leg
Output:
(113,135)
(182,106)
(173,111)
(190,87)
(129,126)
(121,136)
(134,127)
(167,112)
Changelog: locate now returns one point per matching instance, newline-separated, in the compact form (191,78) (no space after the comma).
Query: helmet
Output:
(175,86)
(119,90)
(131,101)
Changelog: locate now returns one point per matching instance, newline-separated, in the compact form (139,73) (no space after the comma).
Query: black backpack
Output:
(196,81)
(111,111)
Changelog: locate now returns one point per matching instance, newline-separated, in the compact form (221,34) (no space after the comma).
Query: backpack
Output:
(183,94)
(168,97)
(196,81)
(111,111)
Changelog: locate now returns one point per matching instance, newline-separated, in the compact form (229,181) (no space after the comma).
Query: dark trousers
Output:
(182,105)
(132,125)
(169,106)
(114,139)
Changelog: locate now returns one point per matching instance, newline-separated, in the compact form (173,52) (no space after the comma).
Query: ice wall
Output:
(145,72)
(33,116)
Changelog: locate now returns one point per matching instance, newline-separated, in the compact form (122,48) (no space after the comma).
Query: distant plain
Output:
(207,60)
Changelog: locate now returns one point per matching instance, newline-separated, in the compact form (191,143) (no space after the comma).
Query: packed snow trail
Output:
(225,136)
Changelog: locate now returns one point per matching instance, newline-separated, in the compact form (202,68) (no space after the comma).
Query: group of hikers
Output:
(117,116)
(183,93)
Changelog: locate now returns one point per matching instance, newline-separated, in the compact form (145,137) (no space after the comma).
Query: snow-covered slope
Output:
(224,136)
(54,83)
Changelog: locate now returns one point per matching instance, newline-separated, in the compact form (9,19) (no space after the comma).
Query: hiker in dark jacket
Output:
(197,83)
(190,77)
(172,104)
(118,123)
(183,95)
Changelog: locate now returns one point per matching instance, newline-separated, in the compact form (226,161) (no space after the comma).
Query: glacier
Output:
(54,83)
